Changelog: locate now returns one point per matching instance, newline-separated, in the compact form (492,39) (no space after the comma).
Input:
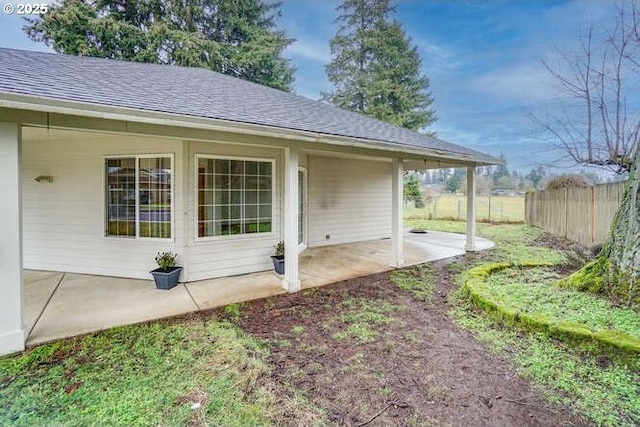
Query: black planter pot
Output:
(278,263)
(166,279)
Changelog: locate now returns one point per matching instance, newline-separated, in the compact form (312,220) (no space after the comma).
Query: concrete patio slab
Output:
(37,289)
(84,303)
(226,290)
(339,262)
(61,305)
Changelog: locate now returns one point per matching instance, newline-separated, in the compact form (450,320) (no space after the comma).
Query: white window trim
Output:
(137,163)
(269,234)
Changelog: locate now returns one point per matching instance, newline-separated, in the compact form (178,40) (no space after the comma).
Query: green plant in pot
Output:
(278,258)
(167,274)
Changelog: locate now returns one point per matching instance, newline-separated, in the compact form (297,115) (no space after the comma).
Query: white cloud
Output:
(317,50)
(437,58)
(525,82)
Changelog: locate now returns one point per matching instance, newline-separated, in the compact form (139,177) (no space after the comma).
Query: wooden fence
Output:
(581,214)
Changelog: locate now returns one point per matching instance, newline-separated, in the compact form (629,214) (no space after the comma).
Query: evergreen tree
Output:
(375,70)
(536,176)
(412,191)
(500,170)
(235,37)
(454,181)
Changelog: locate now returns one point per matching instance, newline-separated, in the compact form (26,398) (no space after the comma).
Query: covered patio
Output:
(98,178)
(59,305)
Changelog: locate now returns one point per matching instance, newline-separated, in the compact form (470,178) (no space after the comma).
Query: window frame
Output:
(267,234)
(137,158)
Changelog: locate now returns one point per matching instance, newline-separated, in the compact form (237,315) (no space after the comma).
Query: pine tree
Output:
(412,191)
(375,70)
(235,37)
(501,170)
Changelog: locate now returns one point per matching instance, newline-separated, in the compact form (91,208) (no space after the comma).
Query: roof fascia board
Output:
(122,114)
(129,115)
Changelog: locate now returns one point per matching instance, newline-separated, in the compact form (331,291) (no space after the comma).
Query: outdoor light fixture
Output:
(44,178)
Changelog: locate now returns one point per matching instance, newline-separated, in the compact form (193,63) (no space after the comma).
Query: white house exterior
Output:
(105,163)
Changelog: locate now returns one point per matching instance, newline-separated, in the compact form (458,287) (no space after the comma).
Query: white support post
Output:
(471,209)
(291,205)
(12,334)
(397,231)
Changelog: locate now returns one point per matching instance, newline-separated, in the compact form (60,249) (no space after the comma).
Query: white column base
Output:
(12,342)
(291,287)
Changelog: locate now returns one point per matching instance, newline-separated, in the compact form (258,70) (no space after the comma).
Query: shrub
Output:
(568,180)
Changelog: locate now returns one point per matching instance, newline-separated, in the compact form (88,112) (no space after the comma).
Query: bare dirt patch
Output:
(548,240)
(370,353)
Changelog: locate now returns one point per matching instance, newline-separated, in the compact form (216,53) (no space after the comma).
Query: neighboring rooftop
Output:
(196,92)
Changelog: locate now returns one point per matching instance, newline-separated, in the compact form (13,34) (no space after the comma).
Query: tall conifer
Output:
(236,37)
(375,70)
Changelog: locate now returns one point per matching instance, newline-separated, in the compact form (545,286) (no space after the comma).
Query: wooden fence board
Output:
(609,198)
(581,214)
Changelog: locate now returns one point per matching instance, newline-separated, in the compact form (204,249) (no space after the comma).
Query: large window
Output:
(234,196)
(139,196)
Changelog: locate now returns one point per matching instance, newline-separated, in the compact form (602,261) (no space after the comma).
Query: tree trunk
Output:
(623,247)
(616,271)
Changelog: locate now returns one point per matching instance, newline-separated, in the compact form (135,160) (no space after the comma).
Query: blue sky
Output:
(483,59)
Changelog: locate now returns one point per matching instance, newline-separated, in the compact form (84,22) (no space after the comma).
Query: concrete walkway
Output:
(59,305)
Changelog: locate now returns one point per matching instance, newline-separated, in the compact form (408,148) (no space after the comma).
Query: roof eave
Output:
(109,112)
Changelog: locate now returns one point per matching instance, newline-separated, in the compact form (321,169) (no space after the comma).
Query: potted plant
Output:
(278,258)
(167,274)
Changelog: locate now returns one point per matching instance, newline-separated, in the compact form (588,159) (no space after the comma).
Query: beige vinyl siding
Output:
(237,254)
(349,200)
(64,221)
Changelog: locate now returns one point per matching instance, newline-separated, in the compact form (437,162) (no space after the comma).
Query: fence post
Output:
(566,213)
(593,214)
(459,208)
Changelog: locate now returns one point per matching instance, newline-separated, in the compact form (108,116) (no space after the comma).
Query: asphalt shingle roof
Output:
(196,92)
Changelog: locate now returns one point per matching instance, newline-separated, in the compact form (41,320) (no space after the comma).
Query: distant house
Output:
(137,158)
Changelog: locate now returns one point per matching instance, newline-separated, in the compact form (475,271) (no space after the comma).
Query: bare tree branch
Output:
(594,126)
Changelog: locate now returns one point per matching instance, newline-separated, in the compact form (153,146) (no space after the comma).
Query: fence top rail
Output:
(605,184)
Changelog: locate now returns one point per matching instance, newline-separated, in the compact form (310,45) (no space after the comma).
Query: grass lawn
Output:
(206,369)
(603,387)
(531,290)
(451,206)
(154,374)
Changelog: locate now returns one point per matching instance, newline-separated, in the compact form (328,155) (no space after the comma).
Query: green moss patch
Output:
(526,294)
(588,278)
(593,278)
